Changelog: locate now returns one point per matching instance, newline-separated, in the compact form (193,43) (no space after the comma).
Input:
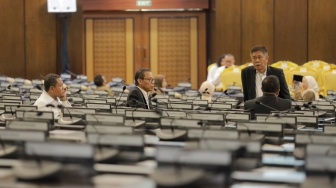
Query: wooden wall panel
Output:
(257,26)
(225,29)
(290,31)
(322,30)
(75,40)
(40,39)
(12,34)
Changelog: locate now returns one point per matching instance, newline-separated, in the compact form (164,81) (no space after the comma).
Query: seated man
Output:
(270,101)
(53,96)
(100,82)
(139,96)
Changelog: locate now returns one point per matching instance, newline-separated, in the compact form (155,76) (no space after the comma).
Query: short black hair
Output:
(270,84)
(259,48)
(140,74)
(50,80)
(220,60)
(98,80)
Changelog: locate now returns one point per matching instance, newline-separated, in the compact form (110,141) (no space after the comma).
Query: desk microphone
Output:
(269,107)
(209,108)
(124,88)
(39,87)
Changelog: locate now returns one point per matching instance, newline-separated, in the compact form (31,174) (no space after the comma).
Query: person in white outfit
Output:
(214,74)
(53,97)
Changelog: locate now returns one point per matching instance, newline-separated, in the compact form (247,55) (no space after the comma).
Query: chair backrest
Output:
(328,79)
(320,70)
(231,77)
(284,64)
(211,65)
(245,65)
(303,71)
(315,64)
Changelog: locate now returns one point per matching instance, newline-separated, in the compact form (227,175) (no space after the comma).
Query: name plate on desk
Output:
(326,107)
(77,99)
(238,116)
(114,139)
(90,96)
(99,106)
(12,108)
(28,125)
(276,119)
(59,149)
(174,113)
(142,114)
(206,116)
(316,139)
(12,97)
(100,92)
(111,100)
(78,111)
(122,100)
(95,101)
(220,106)
(329,129)
(319,102)
(187,106)
(105,118)
(217,134)
(304,118)
(26,87)
(162,100)
(258,126)
(199,157)
(3,104)
(200,102)
(223,144)
(20,135)
(120,110)
(180,122)
(117,89)
(47,115)
(101,129)
(35,90)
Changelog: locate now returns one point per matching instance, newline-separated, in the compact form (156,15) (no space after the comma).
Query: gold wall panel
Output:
(109,48)
(172,48)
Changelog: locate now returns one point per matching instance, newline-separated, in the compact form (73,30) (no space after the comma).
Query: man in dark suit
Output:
(139,97)
(269,101)
(252,76)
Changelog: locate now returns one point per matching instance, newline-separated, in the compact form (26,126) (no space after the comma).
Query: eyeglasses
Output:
(151,80)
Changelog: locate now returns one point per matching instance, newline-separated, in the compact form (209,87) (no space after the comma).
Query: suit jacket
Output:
(136,99)
(248,75)
(269,100)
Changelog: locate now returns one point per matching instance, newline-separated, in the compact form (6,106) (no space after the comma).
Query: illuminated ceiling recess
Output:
(145,5)
(62,6)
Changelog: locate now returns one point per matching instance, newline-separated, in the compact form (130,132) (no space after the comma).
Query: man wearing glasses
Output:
(253,76)
(139,96)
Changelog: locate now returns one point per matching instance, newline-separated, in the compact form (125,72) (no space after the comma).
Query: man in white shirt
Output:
(214,74)
(53,96)
(139,96)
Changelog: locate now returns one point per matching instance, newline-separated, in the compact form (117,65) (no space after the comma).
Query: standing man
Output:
(139,96)
(253,76)
(53,96)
